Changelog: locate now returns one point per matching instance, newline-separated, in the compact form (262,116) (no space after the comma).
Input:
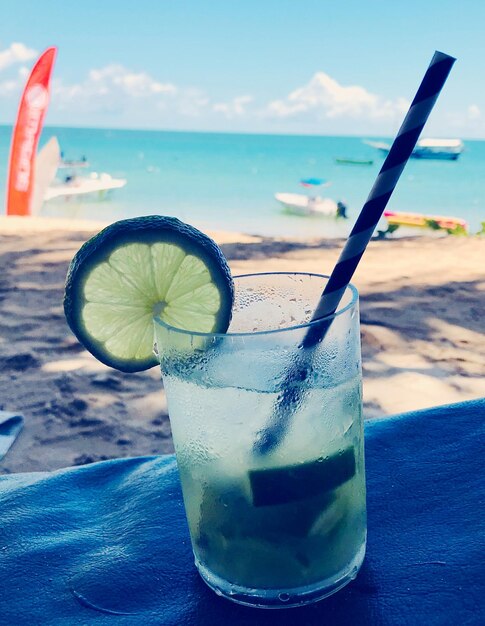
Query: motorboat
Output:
(50,184)
(445,149)
(311,204)
(301,204)
(94,184)
(353,161)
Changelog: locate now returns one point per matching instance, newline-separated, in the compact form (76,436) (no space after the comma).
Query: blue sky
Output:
(284,66)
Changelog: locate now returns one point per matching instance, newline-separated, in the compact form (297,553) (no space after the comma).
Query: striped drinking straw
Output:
(354,248)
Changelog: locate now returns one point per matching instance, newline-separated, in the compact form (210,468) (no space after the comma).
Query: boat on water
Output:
(445,149)
(73,184)
(98,185)
(351,161)
(311,203)
(434,222)
(300,204)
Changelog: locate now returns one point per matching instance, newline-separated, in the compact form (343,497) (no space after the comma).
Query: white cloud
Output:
(473,112)
(112,82)
(236,107)
(121,95)
(16,53)
(131,83)
(126,96)
(325,97)
(117,89)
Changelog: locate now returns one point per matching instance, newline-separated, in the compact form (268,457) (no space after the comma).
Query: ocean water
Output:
(228,181)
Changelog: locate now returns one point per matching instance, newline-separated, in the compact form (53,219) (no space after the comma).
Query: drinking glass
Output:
(285,525)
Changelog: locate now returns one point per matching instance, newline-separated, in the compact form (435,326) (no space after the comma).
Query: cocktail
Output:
(288,526)
(274,490)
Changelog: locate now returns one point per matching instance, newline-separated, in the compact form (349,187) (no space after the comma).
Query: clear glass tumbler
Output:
(271,455)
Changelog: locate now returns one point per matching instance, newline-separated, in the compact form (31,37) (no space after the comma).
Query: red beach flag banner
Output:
(26,133)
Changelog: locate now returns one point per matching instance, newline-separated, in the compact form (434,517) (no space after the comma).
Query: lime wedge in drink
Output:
(139,268)
(279,485)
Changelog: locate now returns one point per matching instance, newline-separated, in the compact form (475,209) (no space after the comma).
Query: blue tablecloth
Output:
(108,543)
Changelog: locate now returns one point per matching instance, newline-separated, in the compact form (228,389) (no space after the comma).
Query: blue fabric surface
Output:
(10,427)
(108,543)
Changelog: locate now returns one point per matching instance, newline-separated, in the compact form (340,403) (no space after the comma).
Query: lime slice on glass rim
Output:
(139,268)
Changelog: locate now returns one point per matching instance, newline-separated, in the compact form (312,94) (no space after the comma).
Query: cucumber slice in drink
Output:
(279,485)
(141,267)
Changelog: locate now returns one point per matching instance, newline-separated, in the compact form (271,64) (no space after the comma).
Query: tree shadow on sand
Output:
(430,338)
(413,308)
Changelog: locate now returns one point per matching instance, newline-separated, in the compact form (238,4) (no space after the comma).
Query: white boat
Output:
(449,149)
(301,204)
(311,204)
(95,184)
(50,161)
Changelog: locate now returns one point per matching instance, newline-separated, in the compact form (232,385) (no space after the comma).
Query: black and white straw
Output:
(386,181)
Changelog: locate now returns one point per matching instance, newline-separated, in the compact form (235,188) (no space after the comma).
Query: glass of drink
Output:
(285,526)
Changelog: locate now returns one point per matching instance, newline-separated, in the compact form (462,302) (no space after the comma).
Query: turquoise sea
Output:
(228,181)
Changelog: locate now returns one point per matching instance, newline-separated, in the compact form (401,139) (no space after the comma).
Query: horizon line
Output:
(223,132)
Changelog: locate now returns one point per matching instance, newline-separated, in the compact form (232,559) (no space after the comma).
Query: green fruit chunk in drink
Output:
(278,485)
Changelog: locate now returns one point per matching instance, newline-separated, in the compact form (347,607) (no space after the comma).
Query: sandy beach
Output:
(422,303)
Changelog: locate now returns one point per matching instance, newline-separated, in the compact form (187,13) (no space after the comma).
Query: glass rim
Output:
(309,324)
